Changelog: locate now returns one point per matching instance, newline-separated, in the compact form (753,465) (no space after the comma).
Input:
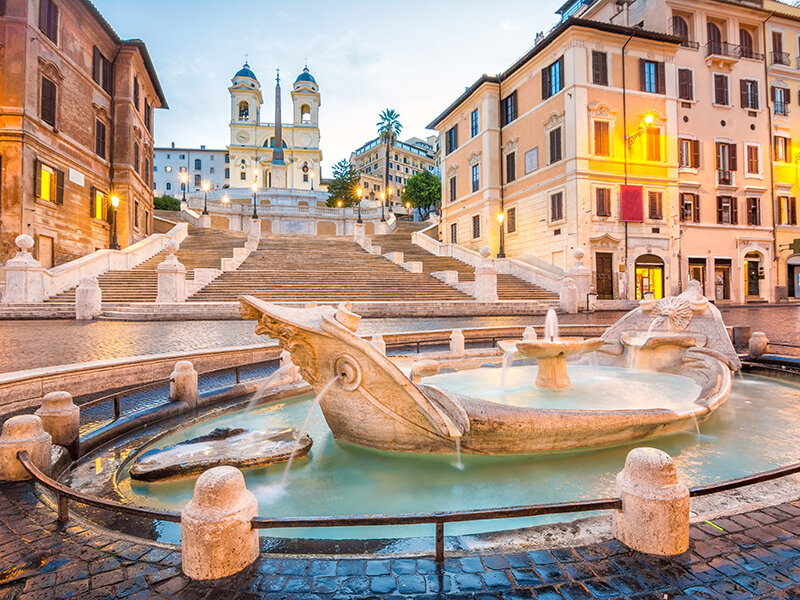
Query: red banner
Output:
(631,206)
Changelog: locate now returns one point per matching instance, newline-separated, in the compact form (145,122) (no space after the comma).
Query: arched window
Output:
(169,186)
(244,111)
(198,164)
(305,114)
(197,179)
(680,28)
(745,43)
(714,38)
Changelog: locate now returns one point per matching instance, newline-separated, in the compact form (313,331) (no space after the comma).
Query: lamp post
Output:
(500,253)
(114,244)
(383,197)
(311,177)
(408,209)
(184,183)
(205,197)
(255,189)
(339,204)
(389,192)
(359,193)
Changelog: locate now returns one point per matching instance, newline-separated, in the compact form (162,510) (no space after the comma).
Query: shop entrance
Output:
(697,271)
(722,279)
(649,276)
(752,280)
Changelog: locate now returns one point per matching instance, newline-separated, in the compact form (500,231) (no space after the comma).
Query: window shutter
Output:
(59,187)
(661,78)
(37,178)
(545,84)
(92,201)
(642,82)
(788,157)
(719,209)
(696,208)
(734,210)
(719,155)
(696,154)
(96,75)
(108,77)
(788,95)
(743,93)
(755,95)
(792,211)
(732,154)
(563,78)
(595,67)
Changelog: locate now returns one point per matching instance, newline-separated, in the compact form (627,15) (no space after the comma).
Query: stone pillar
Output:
(568,296)
(171,276)
(216,537)
(25,276)
(655,505)
(253,234)
(582,276)
(204,221)
(457,343)
(359,232)
(183,383)
(88,299)
(486,278)
(758,344)
(61,419)
(377,341)
(23,432)
(423,368)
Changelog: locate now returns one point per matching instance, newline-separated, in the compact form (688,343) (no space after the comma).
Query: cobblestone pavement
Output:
(752,555)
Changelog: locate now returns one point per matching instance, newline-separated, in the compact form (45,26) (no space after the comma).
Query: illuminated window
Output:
(47,178)
(653,138)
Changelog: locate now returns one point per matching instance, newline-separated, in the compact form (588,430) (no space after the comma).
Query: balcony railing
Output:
(781,109)
(690,44)
(722,49)
(779,58)
(724,177)
(750,53)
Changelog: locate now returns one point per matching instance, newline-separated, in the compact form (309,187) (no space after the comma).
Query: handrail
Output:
(732,484)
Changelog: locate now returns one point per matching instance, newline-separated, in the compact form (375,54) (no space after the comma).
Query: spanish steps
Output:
(509,287)
(202,248)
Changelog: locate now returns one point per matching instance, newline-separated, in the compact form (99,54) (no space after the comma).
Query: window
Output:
(243,176)
(686,84)
(451,139)
(726,210)
(48,109)
(182,156)
(511,220)
(532,160)
(778,56)
(555,145)
(198,164)
(653,138)
(781,98)
(688,153)
(599,68)
(136,92)
(48,183)
(651,76)
(136,156)
(168,168)
(453,192)
(783,148)
(680,28)
(601,139)
(476,226)
(476,177)
(511,167)
(746,44)
(754,211)
(690,207)
(787,210)
(602,202)
(101,69)
(721,89)
(227,158)
(136,214)
(753,162)
(148,116)
(169,186)
(197,180)
(654,205)
(748,89)
(473,123)
(556,206)
(508,108)
(453,233)
(714,38)
(98,207)
(227,173)
(244,110)
(48,19)
(100,138)
(553,79)
(726,162)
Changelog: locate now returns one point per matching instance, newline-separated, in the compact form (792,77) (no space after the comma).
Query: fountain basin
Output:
(552,357)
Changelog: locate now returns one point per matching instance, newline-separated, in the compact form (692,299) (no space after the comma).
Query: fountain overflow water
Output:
(551,326)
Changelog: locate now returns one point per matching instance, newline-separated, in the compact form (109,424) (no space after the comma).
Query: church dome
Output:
(305,76)
(245,72)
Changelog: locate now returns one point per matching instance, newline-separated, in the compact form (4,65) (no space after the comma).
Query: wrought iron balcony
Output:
(722,49)
(779,58)
(781,109)
(724,177)
(750,53)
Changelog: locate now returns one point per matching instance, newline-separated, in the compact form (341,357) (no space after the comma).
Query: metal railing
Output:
(779,58)
(722,49)
(781,108)
(750,53)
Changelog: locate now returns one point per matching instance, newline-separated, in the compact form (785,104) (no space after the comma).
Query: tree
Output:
(344,185)
(424,191)
(389,128)
(166,203)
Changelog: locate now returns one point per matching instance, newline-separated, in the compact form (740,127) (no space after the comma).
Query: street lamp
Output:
(500,253)
(383,197)
(114,203)
(647,121)
(389,192)
(225,200)
(205,197)
(311,176)
(255,189)
(339,204)
(359,193)
(184,183)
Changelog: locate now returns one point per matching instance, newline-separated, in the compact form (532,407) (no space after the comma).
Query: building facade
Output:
(196,165)
(664,153)
(76,129)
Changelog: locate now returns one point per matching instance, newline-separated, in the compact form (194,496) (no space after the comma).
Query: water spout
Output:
(508,358)
(265,383)
(551,326)
(459,465)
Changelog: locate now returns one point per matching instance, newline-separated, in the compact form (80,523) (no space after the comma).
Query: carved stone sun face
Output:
(678,310)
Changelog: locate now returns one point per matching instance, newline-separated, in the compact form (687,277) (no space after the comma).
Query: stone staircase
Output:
(203,248)
(288,268)
(508,286)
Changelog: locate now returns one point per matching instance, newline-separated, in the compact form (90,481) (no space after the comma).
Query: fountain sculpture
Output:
(370,402)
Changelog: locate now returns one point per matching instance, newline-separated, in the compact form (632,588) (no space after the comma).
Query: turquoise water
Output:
(758,428)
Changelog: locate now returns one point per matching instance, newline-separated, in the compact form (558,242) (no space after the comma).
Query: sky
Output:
(415,56)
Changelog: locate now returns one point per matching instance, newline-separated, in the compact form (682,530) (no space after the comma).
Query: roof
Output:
(245,72)
(636,32)
(305,76)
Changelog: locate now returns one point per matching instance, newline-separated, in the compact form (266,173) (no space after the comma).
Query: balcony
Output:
(725,177)
(779,58)
(750,53)
(721,53)
(781,109)
(690,44)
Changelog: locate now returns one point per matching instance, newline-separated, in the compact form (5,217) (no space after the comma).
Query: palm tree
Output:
(389,128)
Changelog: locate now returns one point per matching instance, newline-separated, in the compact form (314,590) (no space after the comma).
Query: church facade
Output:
(255,154)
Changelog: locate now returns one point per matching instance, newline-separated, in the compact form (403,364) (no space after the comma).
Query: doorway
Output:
(697,271)
(752,277)
(722,279)
(793,277)
(649,276)
(604,282)
(44,251)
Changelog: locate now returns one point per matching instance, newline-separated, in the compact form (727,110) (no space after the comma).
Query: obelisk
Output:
(278,165)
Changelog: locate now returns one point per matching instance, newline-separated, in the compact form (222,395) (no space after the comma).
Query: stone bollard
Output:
(423,368)
(359,232)
(217,539)
(61,419)
(24,275)
(457,343)
(171,276)
(88,299)
(183,383)
(655,506)
(23,432)
(568,296)
(758,344)
(377,341)
(485,289)
(253,234)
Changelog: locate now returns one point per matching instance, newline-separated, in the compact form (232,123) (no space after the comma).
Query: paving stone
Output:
(468,582)
(471,564)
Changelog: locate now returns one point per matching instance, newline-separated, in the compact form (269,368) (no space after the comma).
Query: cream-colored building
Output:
(294,163)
